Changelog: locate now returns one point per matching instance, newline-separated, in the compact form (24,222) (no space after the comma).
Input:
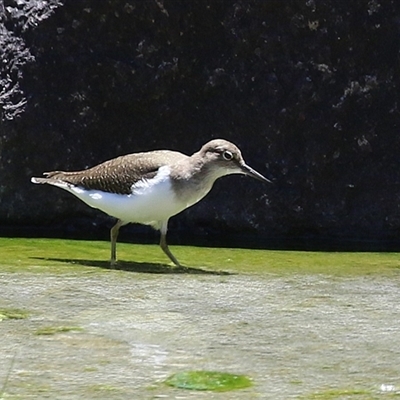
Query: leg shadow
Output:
(132,266)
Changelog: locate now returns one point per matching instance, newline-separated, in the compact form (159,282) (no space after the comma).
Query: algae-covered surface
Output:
(208,380)
(298,325)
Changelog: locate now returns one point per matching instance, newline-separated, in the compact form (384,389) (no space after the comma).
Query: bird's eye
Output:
(227,155)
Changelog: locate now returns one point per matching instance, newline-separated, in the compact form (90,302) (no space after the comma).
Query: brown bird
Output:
(148,188)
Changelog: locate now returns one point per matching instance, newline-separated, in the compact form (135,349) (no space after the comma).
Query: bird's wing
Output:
(117,175)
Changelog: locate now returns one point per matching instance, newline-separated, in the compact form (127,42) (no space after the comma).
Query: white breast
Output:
(151,201)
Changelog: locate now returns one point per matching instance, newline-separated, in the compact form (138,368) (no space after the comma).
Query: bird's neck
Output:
(196,178)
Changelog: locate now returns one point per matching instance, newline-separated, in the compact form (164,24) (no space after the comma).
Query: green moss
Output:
(84,257)
(53,330)
(208,380)
(12,313)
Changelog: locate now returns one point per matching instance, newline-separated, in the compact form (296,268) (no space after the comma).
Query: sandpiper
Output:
(148,188)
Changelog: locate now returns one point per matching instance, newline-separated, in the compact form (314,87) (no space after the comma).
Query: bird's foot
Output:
(181,268)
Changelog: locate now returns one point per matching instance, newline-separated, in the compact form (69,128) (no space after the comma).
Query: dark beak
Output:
(253,173)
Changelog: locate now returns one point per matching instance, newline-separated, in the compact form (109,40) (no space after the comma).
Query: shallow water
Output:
(295,336)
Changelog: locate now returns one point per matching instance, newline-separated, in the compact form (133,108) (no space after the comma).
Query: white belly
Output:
(151,201)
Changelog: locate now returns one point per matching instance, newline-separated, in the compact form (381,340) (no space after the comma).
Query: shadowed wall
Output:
(308,90)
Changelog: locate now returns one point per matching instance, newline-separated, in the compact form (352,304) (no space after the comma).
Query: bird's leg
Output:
(114,235)
(164,245)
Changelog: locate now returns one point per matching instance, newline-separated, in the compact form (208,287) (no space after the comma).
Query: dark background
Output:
(309,90)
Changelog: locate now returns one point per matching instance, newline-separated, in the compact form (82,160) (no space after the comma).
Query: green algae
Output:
(53,330)
(13,313)
(70,256)
(208,380)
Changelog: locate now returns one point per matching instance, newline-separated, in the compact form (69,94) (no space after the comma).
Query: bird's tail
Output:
(51,178)
(39,180)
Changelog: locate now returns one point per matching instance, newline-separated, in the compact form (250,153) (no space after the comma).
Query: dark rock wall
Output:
(308,89)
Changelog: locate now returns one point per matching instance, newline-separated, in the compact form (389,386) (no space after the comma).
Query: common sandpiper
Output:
(150,187)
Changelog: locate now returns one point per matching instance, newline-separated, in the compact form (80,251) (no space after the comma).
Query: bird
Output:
(150,187)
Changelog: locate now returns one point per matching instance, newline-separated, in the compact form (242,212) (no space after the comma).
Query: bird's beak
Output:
(253,173)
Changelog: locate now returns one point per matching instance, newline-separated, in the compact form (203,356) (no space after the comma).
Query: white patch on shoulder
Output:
(144,185)
(151,201)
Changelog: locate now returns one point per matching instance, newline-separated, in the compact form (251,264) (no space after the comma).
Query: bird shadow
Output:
(132,266)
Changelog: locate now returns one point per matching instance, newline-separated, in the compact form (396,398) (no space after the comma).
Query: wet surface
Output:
(293,335)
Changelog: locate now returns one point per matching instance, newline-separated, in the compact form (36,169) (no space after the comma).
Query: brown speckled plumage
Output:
(119,174)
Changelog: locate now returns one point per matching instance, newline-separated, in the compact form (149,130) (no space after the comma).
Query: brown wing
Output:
(119,174)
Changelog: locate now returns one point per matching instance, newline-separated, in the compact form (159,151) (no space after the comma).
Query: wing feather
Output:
(117,175)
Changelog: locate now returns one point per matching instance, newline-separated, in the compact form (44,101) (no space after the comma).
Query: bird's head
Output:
(225,159)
